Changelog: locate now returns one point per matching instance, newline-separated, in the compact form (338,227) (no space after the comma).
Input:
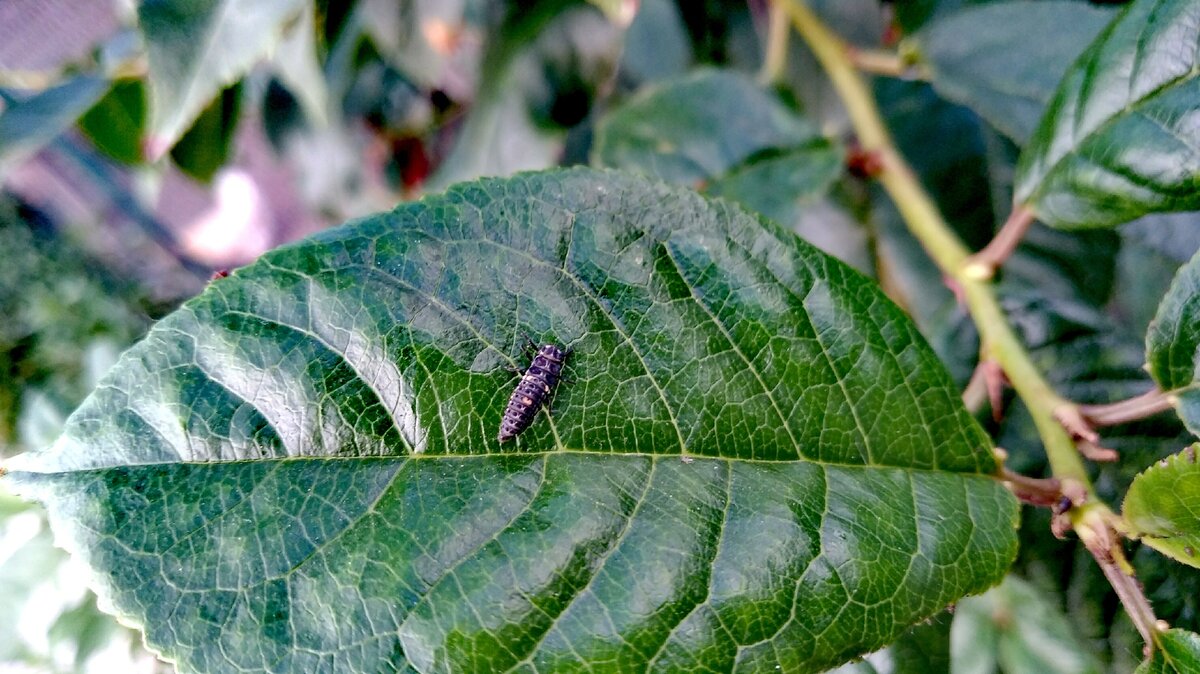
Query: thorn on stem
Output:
(1073,421)
(995,380)
(955,287)
(1094,452)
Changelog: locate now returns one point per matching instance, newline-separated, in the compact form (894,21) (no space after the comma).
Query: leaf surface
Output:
(697,127)
(1163,507)
(757,463)
(1120,138)
(1005,59)
(196,49)
(1178,652)
(1173,343)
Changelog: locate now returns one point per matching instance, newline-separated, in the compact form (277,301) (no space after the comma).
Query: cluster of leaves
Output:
(760,461)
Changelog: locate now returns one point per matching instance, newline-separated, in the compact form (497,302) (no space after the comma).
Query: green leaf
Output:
(116,124)
(296,62)
(196,49)
(1005,59)
(204,149)
(1178,652)
(1118,140)
(696,128)
(756,459)
(26,125)
(1163,507)
(1013,627)
(779,185)
(1173,343)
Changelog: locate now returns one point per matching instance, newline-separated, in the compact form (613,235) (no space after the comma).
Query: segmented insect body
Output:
(532,391)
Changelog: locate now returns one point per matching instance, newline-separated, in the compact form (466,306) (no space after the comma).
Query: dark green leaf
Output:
(1118,140)
(27,124)
(696,128)
(196,49)
(117,123)
(1014,628)
(1178,652)
(1005,59)
(778,185)
(205,147)
(1173,343)
(1163,507)
(924,648)
(758,459)
(657,44)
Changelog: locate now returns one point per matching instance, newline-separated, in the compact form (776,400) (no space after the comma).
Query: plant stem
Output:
(997,339)
(1138,407)
(881,62)
(776,51)
(984,263)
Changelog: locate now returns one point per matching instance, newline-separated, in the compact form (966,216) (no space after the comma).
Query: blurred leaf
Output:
(1163,507)
(197,49)
(116,124)
(1118,140)
(397,30)
(1178,652)
(696,128)
(27,124)
(945,144)
(657,46)
(670,512)
(1005,59)
(205,148)
(1013,629)
(296,62)
(1173,343)
(1174,235)
(779,184)
(501,134)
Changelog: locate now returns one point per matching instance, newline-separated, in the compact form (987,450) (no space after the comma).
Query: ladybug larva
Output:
(532,391)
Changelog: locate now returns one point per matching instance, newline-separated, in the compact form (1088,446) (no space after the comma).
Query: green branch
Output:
(1092,520)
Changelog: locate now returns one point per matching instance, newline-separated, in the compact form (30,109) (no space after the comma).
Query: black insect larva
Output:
(532,391)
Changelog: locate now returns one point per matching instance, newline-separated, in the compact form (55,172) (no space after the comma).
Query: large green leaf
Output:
(1163,507)
(1005,59)
(697,127)
(1178,652)
(196,49)
(1119,139)
(756,461)
(1173,343)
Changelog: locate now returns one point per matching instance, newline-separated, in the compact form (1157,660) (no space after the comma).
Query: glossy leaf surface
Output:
(196,49)
(757,463)
(1173,343)
(1178,653)
(1163,507)
(697,127)
(1005,59)
(1118,140)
